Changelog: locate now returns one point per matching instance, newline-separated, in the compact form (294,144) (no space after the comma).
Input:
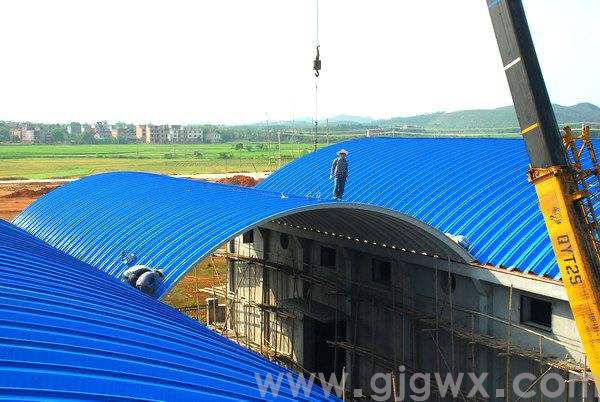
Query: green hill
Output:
(503,117)
(500,120)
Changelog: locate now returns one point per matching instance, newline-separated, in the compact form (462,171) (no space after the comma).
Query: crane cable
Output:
(317,68)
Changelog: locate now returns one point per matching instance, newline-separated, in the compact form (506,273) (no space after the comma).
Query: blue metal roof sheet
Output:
(61,340)
(471,187)
(70,332)
(172,223)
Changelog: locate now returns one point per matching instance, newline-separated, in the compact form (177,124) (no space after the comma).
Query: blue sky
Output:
(235,61)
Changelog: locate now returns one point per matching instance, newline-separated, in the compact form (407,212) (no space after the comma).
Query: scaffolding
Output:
(401,301)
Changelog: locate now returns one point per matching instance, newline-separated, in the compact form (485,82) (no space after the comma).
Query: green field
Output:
(67,161)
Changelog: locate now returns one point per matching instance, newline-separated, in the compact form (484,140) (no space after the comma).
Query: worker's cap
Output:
(160,272)
(342,151)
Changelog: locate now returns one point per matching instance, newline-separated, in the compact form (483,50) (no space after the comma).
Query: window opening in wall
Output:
(328,257)
(447,282)
(381,271)
(284,240)
(536,312)
(248,237)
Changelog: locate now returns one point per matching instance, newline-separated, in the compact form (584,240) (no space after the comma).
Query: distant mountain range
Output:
(500,118)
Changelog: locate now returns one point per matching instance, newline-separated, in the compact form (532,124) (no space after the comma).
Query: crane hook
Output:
(317,62)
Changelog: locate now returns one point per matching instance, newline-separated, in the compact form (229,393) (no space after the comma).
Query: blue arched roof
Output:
(67,338)
(70,332)
(173,223)
(472,187)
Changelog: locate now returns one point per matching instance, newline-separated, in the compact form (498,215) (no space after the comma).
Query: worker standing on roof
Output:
(339,174)
(149,281)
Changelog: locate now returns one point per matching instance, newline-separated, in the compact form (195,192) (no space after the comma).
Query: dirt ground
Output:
(15,197)
(208,273)
(240,180)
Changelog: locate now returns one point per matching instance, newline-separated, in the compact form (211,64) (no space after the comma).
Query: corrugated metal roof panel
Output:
(472,187)
(69,331)
(173,223)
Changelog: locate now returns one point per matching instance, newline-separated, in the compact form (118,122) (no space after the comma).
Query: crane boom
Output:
(559,180)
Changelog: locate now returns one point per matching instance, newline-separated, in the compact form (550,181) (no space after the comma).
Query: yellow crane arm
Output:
(557,174)
(569,240)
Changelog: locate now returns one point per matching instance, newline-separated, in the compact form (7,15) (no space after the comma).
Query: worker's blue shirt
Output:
(339,168)
(149,279)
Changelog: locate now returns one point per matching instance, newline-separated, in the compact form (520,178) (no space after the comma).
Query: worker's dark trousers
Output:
(340,184)
(146,289)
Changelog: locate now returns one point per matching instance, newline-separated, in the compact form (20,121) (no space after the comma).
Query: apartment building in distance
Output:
(153,134)
(123,132)
(101,130)
(28,134)
(185,134)
(161,134)
(212,137)
(158,134)
(176,133)
(140,132)
(193,134)
(21,135)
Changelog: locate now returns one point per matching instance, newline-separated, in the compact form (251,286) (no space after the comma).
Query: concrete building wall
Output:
(248,280)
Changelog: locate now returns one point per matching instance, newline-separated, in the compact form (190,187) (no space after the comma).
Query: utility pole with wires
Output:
(269,139)
(293,139)
(279,148)
(293,128)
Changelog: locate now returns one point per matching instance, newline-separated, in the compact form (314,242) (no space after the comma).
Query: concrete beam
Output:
(497,276)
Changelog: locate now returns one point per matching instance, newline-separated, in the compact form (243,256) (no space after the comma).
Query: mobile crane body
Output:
(561,183)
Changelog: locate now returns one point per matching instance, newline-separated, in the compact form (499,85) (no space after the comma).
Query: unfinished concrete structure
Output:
(319,296)
(318,302)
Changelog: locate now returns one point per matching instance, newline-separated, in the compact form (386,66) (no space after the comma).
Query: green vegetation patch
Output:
(68,161)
